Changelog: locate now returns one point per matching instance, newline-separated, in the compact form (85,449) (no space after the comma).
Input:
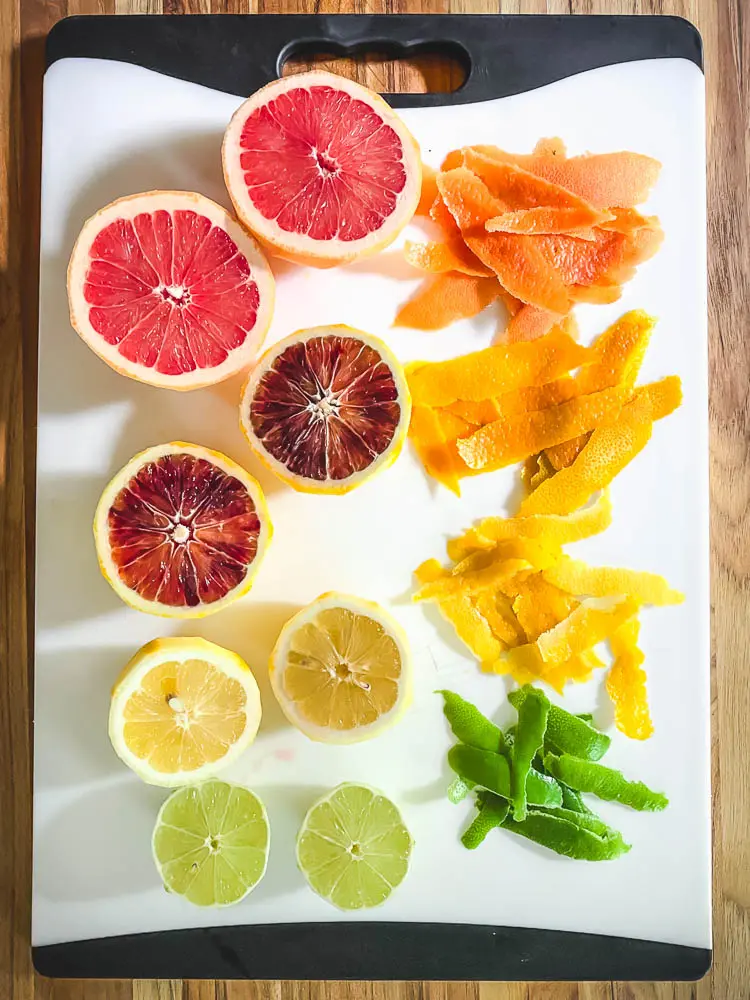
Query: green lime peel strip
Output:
(470,726)
(564,833)
(492,811)
(566,733)
(493,772)
(529,738)
(604,782)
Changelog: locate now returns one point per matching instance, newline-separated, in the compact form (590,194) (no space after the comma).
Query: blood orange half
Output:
(326,408)
(168,289)
(321,169)
(181,531)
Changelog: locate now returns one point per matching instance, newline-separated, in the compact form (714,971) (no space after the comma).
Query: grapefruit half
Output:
(169,289)
(181,531)
(326,408)
(321,169)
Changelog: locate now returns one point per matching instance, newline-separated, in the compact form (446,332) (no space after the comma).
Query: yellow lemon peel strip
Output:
(593,621)
(578,578)
(626,683)
(460,611)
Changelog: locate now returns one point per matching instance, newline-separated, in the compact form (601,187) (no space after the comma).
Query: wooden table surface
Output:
(725,25)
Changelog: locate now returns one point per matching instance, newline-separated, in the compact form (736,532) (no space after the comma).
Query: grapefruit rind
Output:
(333,487)
(278,661)
(152,201)
(120,480)
(180,649)
(301,248)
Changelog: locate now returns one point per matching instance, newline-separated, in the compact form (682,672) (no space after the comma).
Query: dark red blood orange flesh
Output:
(322,163)
(183,532)
(326,408)
(171,290)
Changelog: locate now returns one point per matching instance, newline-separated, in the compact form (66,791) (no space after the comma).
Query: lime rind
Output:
(353,847)
(211,843)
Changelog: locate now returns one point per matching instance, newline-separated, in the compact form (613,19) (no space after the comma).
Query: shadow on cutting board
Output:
(250,628)
(99,846)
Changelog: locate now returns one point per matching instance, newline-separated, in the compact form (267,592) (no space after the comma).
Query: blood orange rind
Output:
(378,182)
(122,482)
(266,369)
(136,300)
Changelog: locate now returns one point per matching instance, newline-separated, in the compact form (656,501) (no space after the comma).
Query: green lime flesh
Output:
(211,843)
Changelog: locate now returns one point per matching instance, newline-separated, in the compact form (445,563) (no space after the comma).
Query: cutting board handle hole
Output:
(420,69)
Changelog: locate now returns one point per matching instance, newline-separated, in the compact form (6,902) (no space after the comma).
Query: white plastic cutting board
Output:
(112,129)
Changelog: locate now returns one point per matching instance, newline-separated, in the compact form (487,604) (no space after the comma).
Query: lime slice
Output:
(353,847)
(211,843)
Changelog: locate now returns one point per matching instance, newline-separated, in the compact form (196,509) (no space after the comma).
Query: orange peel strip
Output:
(441,257)
(429,190)
(496,370)
(511,439)
(439,459)
(552,146)
(446,298)
(576,577)
(522,269)
(468,199)
(626,683)
(662,397)
(529,323)
(619,353)
(609,449)
(530,221)
(605,180)
(596,295)
(521,189)
(471,628)
(443,218)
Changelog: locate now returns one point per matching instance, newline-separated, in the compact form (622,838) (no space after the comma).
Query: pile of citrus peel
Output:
(539,231)
(576,417)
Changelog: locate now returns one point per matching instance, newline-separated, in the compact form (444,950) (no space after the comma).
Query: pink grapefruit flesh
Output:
(321,169)
(167,288)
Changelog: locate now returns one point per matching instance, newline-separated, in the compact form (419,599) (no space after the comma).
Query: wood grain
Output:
(726,32)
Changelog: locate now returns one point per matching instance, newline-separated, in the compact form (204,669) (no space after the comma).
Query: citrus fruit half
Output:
(326,408)
(181,709)
(321,169)
(210,843)
(168,289)
(341,669)
(181,530)
(353,847)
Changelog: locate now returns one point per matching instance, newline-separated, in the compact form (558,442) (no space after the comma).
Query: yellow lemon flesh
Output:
(182,709)
(341,669)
